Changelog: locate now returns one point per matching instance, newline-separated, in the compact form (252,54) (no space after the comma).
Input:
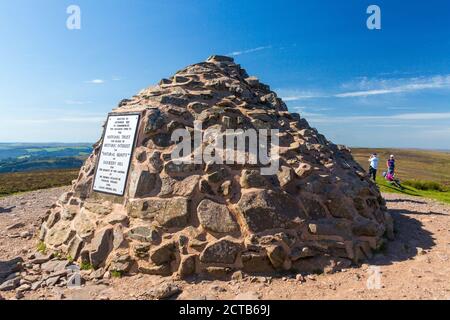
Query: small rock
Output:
(54,266)
(16,226)
(28,266)
(277,255)
(10,284)
(97,274)
(187,266)
(163,253)
(36,285)
(259,280)
(218,272)
(24,287)
(14,235)
(147,268)
(421,251)
(50,282)
(26,234)
(144,234)
(238,275)
(40,258)
(31,278)
(300,278)
(19,295)
(252,179)
(165,291)
(120,262)
(102,209)
(10,266)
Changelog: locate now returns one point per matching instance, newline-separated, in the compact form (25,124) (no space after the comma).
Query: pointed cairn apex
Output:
(218,58)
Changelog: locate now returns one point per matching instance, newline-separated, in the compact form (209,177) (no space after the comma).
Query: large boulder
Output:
(222,251)
(216,217)
(101,246)
(267,209)
(167,212)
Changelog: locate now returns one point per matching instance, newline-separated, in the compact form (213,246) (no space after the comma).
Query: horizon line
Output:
(351,147)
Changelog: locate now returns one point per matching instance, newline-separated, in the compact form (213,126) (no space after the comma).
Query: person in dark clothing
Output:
(391,164)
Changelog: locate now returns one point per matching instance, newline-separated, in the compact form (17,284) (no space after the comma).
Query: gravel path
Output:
(414,266)
(20,214)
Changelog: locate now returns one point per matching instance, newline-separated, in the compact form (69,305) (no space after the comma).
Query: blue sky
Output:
(360,87)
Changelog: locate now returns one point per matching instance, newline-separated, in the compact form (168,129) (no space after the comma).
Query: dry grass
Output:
(27,181)
(423,173)
(411,164)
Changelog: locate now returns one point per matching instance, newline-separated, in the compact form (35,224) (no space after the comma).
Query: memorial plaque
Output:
(115,155)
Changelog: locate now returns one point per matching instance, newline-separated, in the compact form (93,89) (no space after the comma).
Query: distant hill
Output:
(11,183)
(25,167)
(21,157)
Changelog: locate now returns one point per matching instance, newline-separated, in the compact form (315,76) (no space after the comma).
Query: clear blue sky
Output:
(379,88)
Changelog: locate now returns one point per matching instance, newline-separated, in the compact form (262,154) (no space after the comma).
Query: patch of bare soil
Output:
(414,266)
(20,219)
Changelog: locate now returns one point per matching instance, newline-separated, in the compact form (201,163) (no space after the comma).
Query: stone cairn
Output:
(319,212)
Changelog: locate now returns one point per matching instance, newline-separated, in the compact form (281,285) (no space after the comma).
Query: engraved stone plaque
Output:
(115,155)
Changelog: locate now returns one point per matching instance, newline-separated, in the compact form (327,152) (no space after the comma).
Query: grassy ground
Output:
(27,181)
(443,196)
(424,173)
(411,164)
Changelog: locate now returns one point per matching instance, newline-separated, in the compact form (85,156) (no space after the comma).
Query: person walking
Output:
(373,166)
(391,164)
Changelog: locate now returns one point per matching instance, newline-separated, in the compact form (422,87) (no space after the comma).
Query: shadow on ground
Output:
(431,213)
(9,266)
(405,190)
(406,200)
(410,237)
(6,210)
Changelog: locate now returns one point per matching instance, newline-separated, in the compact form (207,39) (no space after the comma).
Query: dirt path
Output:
(414,266)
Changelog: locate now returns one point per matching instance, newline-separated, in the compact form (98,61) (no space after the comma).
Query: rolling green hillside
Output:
(422,173)
(411,164)
(21,157)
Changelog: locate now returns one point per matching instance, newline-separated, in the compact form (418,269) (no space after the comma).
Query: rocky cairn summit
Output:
(319,212)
